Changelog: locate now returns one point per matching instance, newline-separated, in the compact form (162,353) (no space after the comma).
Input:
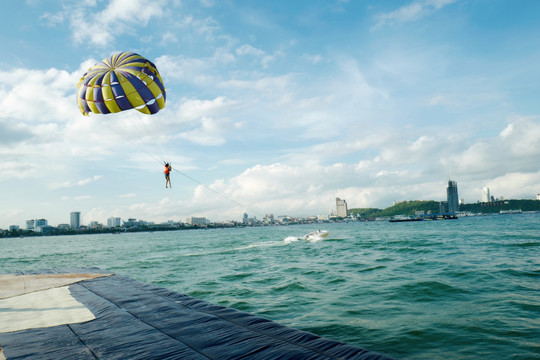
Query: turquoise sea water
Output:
(458,289)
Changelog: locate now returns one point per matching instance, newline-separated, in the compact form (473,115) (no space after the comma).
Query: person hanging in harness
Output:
(167,173)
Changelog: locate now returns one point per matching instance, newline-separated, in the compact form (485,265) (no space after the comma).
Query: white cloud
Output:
(522,136)
(515,185)
(16,169)
(72,183)
(192,27)
(194,109)
(411,12)
(89,180)
(516,149)
(76,198)
(168,38)
(294,188)
(37,96)
(117,18)
(186,70)
(53,19)
(210,132)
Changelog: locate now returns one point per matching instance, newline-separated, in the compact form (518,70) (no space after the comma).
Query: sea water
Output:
(455,289)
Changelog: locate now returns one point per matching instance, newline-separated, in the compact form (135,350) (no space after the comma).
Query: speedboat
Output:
(316,235)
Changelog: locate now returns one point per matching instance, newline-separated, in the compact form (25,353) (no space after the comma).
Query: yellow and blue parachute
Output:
(121,82)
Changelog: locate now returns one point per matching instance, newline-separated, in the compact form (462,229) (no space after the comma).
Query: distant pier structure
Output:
(91,314)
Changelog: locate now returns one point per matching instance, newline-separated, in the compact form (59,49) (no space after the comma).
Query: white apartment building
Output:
(341,208)
(114,222)
(197,220)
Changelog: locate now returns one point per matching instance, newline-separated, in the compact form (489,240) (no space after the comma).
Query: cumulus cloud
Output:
(117,18)
(36,95)
(204,122)
(517,185)
(516,149)
(382,179)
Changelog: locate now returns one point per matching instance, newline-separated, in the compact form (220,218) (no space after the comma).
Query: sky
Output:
(273,107)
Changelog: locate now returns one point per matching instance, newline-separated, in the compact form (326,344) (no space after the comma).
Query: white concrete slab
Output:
(43,308)
(14,285)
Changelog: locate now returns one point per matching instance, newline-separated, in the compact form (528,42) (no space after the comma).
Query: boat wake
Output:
(314,236)
(290,239)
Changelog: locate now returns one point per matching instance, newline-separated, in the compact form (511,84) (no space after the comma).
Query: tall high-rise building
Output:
(341,208)
(485,195)
(452,197)
(75,220)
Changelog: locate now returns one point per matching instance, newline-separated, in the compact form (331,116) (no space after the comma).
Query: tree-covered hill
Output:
(402,208)
(497,206)
(410,207)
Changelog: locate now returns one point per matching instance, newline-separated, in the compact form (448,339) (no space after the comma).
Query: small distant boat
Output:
(402,218)
(316,235)
(518,211)
(428,217)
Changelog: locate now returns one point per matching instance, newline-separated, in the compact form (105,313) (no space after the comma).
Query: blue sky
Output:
(280,106)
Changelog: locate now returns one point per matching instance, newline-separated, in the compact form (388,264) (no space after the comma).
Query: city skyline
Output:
(272,107)
(451,205)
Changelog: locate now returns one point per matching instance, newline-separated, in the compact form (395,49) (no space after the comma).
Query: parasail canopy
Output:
(121,82)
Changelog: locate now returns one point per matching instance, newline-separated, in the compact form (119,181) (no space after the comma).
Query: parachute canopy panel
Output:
(121,82)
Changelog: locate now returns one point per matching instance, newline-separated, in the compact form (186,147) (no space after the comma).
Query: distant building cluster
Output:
(487,196)
(116,224)
(41,226)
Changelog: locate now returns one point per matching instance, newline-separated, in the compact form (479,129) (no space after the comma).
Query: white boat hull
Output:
(316,235)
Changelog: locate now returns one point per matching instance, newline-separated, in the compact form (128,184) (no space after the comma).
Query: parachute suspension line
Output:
(127,125)
(215,192)
(153,145)
(155,142)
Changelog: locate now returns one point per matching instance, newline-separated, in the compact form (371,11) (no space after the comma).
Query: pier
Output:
(93,314)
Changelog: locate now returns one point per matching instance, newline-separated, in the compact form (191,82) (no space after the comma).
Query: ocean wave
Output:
(426,291)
